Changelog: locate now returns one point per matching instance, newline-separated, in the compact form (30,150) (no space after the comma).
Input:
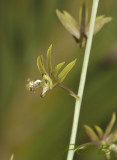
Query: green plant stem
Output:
(82,80)
(69,90)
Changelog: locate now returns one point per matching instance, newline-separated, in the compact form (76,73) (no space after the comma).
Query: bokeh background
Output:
(39,129)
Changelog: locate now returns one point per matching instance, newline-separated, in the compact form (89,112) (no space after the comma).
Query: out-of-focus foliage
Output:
(106,142)
(34,128)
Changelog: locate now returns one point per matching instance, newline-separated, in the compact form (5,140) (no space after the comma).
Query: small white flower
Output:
(32,85)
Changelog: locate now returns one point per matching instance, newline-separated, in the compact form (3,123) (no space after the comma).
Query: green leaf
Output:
(92,135)
(40,65)
(12,156)
(49,63)
(62,75)
(99,131)
(100,21)
(57,68)
(110,125)
(69,23)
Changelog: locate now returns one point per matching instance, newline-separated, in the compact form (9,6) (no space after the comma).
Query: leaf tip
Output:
(114,116)
(75,60)
(85,126)
(57,12)
(50,47)
(12,156)
(110,18)
(38,61)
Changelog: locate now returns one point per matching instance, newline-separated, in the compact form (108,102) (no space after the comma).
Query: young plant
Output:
(52,77)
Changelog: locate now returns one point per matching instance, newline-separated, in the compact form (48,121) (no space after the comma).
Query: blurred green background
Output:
(39,129)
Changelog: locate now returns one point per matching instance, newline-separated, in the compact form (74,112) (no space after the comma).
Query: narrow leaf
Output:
(92,135)
(65,71)
(49,63)
(110,125)
(57,68)
(99,131)
(40,65)
(69,23)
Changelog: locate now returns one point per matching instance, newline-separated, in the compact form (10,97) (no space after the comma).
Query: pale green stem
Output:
(69,90)
(82,80)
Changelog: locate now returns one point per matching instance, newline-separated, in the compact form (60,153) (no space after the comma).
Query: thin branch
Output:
(69,90)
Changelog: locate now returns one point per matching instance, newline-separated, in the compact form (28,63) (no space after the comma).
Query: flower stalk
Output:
(82,80)
(69,90)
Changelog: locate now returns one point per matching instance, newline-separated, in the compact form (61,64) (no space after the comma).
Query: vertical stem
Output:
(82,80)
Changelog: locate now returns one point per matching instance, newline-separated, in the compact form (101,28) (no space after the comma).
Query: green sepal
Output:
(69,23)
(81,28)
(110,125)
(91,134)
(40,65)
(62,75)
(49,63)
(99,131)
(57,68)
(70,19)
